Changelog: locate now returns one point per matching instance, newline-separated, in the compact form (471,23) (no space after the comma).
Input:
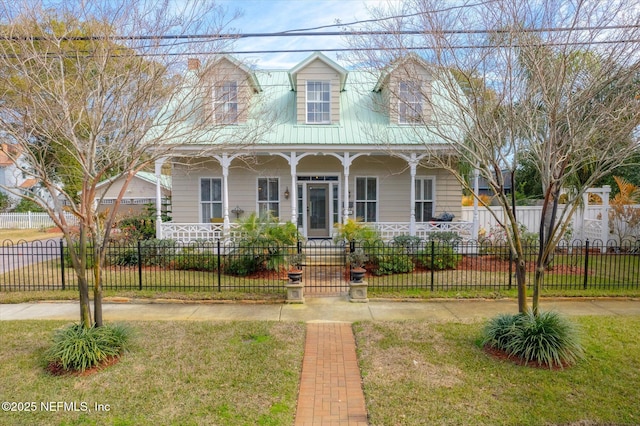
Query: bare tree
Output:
(553,82)
(97,90)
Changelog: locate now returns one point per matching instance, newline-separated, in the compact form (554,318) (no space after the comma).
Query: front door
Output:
(318,210)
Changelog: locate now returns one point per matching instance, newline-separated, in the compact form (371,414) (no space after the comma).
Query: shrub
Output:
(264,245)
(242,265)
(138,228)
(205,261)
(157,252)
(444,257)
(127,257)
(546,339)
(27,205)
(397,263)
(355,230)
(446,238)
(76,348)
(409,243)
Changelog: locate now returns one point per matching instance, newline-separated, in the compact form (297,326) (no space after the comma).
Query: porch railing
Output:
(188,232)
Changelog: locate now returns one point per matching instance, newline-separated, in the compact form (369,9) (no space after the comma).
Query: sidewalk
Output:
(321,309)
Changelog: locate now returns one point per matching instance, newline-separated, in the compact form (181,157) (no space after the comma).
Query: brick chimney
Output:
(193,63)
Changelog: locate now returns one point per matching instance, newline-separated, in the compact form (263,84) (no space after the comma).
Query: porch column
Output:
(293,193)
(158,169)
(606,190)
(476,216)
(346,164)
(413,165)
(225,162)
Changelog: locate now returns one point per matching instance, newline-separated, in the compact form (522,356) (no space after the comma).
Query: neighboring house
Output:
(340,144)
(485,189)
(140,193)
(10,175)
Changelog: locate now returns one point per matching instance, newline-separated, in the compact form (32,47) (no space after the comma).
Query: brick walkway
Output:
(330,387)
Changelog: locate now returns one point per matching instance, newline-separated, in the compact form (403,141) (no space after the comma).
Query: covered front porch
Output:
(393,192)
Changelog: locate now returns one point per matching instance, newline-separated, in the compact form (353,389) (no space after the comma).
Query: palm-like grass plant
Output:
(546,339)
(77,348)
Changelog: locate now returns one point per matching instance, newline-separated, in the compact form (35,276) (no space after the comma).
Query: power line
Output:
(408,15)
(337,49)
(231,36)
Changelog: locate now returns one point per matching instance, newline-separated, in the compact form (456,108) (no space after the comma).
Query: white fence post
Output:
(30,220)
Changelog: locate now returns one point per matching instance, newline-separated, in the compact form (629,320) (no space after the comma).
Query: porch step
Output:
(317,256)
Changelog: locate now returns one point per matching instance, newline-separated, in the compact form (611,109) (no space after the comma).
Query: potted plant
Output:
(357,259)
(295,262)
(295,287)
(357,287)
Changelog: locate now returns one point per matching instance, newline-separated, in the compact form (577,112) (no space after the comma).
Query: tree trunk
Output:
(537,285)
(79,261)
(97,294)
(85,303)
(521,281)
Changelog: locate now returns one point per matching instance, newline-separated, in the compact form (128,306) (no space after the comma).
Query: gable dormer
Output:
(317,82)
(229,87)
(406,90)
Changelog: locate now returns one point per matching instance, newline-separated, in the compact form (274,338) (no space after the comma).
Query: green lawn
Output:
(247,373)
(241,373)
(436,374)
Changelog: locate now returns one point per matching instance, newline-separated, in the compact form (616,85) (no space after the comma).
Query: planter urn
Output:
(295,287)
(357,286)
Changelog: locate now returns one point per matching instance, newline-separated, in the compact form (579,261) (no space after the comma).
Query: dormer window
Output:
(318,102)
(409,103)
(226,102)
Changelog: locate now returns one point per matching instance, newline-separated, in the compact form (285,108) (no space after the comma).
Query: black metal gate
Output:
(325,270)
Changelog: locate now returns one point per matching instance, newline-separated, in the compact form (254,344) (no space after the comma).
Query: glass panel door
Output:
(318,210)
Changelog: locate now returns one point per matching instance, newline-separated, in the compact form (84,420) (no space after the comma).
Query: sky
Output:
(262,16)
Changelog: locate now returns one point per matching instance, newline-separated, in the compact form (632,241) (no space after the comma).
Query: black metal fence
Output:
(482,265)
(218,266)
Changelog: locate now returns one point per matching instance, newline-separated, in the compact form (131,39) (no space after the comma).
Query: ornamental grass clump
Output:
(547,339)
(76,348)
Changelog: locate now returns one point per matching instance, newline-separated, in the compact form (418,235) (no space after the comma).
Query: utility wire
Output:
(88,53)
(231,36)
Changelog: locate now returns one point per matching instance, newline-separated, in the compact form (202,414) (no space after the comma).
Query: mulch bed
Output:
(503,356)
(494,264)
(56,369)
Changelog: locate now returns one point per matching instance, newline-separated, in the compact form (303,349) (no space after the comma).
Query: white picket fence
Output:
(530,216)
(29,220)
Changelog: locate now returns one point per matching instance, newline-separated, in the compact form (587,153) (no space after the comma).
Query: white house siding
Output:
(412,72)
(393,175)
(137,189)
(185,201)
(138,194)
(317,71)
(225,71)
(394,184)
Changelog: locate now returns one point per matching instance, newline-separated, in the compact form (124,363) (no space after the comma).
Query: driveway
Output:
(25,254)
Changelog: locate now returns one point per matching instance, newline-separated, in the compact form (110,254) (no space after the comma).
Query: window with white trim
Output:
(225,102)
(210,198)
(318,102)
(268,197)
(367,198)
(424,199)
(409,102)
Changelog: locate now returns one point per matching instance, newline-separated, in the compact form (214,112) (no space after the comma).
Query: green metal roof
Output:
(361,124)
